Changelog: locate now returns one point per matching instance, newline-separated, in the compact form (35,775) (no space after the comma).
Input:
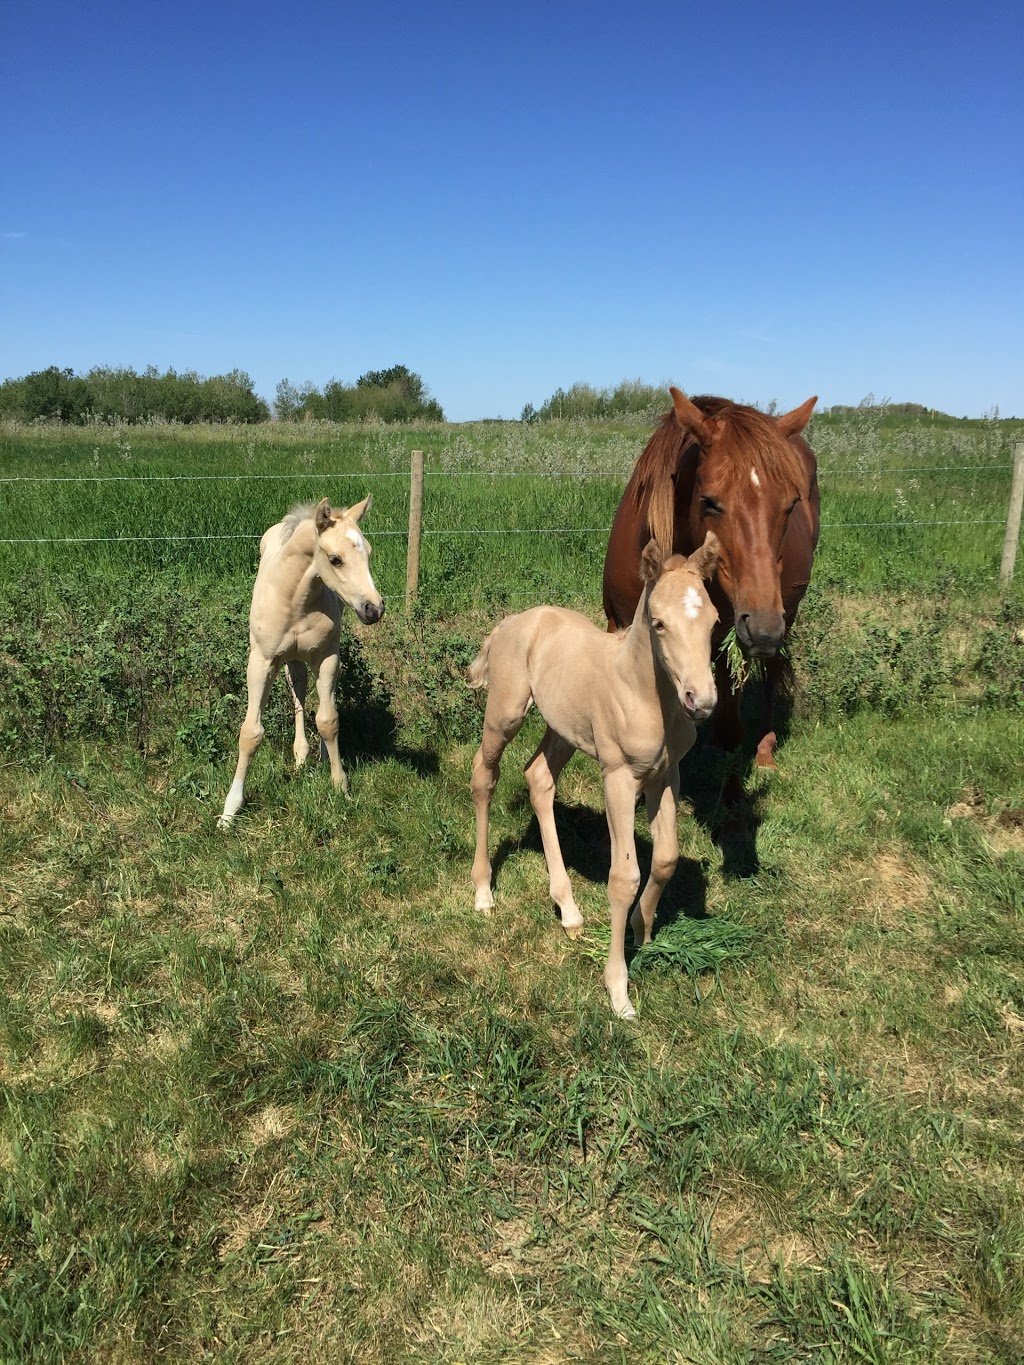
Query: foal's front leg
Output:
(327,715)
(259,675)
(623,882)
(662,802)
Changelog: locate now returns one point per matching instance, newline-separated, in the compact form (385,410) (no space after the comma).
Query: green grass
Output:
(282,1095)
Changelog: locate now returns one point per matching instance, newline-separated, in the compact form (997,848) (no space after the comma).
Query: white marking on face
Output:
(355,537)
(754,479)
(692,604)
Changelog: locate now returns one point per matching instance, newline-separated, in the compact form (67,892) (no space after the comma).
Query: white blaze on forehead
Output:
(355,537)
(692,604)
(754,479)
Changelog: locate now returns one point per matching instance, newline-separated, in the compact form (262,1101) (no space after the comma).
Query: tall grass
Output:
(281,1095)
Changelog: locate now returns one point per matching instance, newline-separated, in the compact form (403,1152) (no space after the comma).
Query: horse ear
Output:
(361,508)
(790,423)
(705,560)
(690,417)
(322,515)
(651,562)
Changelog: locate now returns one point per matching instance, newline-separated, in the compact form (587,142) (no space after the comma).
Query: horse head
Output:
(342,558)
(750,478)
(681,617)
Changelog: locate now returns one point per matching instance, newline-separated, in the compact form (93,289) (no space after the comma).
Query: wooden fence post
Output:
(1013,516)
(412,562)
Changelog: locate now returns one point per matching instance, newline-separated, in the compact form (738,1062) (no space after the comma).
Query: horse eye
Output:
(336,560)
(710,507)
(792,504)
(659,626)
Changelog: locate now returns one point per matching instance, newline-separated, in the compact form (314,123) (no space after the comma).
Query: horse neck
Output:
(303,584)
(637,663)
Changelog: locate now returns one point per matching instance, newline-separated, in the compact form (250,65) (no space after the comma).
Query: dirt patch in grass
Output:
(1002,829)
(886,888)
(739,1229)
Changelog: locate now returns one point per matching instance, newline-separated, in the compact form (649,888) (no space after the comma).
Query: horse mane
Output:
(290,522)
(652,479)
(748,435)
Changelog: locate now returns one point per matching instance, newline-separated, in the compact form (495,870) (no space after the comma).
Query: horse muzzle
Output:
(370,612)
(699,705)
(760,632)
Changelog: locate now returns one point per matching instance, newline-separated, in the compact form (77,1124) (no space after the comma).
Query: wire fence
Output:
(903,521)
(896,524)
(441,474)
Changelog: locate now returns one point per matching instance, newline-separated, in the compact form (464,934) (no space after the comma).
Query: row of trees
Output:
(583,400)
(107,395)
(392,395)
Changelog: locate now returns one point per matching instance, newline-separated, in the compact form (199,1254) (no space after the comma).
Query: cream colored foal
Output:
(630,701)
(311,563)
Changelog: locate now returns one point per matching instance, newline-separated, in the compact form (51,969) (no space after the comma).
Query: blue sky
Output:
(762,201)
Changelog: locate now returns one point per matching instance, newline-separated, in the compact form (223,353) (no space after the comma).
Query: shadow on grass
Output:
(717,783)
(586,851)
(369,729)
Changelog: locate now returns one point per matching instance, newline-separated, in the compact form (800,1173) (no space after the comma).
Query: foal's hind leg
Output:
(297,675)
(502,721)
(259,675)
(542,773)
(662,800)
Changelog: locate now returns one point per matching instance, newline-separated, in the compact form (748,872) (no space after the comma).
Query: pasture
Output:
(280,1094)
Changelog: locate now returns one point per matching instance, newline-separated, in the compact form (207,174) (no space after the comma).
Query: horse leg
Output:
(259,675)
(662,799)
(327,716)
(297,676)
(542,773)
(503,719)
(726,728)
(773,669)
(623,883)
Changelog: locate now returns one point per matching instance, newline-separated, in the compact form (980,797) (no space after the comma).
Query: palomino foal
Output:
(630,701)
(311,563)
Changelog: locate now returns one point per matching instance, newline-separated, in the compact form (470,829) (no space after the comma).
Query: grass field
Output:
(281,1095)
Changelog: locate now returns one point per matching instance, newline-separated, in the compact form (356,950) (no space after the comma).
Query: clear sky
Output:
(763,201)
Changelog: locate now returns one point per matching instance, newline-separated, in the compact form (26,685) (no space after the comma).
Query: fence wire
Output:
(440,474)
(471,531)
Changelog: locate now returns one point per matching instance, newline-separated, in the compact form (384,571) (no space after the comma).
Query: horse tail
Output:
(477,673)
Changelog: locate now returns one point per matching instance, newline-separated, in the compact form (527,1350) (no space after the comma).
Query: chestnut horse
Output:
(714,465)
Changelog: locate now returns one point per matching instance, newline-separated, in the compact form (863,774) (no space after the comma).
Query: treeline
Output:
(121,395)
(392,395)
(885,408)
(583,400)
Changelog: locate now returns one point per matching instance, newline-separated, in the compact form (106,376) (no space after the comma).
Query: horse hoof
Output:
(225,822)
(573,930)
(766,752)
(484,904)
(625,1011)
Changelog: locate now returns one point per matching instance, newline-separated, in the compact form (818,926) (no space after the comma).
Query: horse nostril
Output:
(691,702)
